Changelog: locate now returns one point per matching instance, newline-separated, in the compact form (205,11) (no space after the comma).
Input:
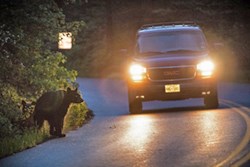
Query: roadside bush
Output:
(9,110)
(30,64)
(6,126)
(15,143)
(77,115)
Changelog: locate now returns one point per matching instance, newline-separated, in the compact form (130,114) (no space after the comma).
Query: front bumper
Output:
(195,88)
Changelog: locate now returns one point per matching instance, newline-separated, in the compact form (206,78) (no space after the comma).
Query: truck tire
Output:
(211,101)
(135,105)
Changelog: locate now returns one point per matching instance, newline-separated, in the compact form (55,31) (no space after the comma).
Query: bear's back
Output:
(50,101)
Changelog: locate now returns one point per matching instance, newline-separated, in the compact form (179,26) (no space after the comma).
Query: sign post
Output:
(65,40)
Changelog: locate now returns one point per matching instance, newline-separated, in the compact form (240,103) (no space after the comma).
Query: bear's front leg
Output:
(52,129)
(39,119)
(59,126)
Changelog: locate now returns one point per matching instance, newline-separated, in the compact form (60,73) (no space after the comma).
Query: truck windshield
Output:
(172,41)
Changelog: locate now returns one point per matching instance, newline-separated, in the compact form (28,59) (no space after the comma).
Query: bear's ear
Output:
(76,89)
(68,89)
(23,102)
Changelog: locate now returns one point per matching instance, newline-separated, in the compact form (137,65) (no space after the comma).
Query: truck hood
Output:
(165,60)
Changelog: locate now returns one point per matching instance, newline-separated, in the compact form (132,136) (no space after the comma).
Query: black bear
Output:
(53,106)
(26,119)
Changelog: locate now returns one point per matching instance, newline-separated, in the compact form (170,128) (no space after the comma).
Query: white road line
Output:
(245,140)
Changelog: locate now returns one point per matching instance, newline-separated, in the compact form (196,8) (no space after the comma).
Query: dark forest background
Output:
(111,26)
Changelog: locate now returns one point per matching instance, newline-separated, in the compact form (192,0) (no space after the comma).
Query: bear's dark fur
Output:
(53,106)
(26,120)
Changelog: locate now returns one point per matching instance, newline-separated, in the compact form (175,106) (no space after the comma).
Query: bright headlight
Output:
(137,72)
(136,69)
(206,68)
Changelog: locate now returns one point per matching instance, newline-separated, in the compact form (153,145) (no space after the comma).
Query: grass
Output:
(76,117)
(29,138)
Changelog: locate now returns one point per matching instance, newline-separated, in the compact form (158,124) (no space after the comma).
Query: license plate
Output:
(172,88)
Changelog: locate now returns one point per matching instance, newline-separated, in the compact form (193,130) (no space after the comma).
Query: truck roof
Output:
(172,26)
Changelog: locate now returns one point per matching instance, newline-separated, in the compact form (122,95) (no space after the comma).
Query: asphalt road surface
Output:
(175,133)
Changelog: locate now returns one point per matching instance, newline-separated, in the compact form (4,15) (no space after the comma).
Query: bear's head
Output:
(73,96)
(26,119)
(27,107)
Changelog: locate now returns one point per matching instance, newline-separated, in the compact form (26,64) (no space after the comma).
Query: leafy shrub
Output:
(9,110)
(27,139)
(30,64)
(6,126)
(76,116)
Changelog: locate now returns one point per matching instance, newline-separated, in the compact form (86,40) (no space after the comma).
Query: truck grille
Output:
(171,73)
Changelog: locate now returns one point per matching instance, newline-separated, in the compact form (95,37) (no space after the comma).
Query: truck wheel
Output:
(135,105)
(211,101)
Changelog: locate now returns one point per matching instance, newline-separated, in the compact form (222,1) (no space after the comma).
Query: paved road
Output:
(180,133)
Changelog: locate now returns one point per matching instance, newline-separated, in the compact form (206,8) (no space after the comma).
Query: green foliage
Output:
(49,73)
(15,143)
(30,64)
(29,58)
(9,109)
(76,116)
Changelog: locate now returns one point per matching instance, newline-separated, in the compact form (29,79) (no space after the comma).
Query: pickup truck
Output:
(171,62)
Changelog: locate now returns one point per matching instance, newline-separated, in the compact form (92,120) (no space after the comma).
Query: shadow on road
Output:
(183,109)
